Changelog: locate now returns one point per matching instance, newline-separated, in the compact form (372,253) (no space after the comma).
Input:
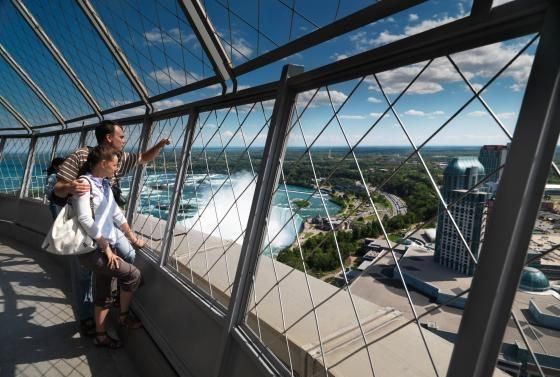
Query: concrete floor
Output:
(38,333)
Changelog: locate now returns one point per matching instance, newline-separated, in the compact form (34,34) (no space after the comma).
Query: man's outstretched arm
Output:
(152,153)
(76,187)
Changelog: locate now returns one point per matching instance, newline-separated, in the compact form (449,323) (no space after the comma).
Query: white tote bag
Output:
(66,236)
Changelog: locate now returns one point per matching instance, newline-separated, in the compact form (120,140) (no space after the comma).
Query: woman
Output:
(51,181)
(102,162)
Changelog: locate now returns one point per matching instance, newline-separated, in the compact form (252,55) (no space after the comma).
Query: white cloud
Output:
(321,98)
(478,113)
(126,113)
(172,76)
(168,103)
(480,63)
(336,56)
(477,87)
(429,82)
(115,103)
(415,112)
(420,113)
(387,37)
(374,100)
(377,115)
(227,134)
(427,25)
(477,63)
(173,35)
(241,48)
(507,115)
(352,117)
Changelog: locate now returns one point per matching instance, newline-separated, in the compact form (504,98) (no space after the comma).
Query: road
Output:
(398,205)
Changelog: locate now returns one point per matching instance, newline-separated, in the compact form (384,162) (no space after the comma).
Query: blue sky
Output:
(163,51)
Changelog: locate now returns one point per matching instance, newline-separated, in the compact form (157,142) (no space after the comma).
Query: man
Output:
(111,134)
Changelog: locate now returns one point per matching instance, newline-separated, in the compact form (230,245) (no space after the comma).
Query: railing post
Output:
(28,168)
(54,146)
(2,144)
(268,177)
(138,175)
(179,184)
(510,227)
(83,135)
(52,156)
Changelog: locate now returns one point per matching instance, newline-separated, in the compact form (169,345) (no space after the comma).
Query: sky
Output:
(164,53)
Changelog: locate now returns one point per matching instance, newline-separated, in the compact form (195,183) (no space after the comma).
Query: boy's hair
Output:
(56,162)
(106,127)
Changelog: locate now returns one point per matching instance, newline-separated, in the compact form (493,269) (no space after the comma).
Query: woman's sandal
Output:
(87,327)
(107,342)
(126,320)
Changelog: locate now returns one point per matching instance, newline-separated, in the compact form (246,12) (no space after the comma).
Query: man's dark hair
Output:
(105,128)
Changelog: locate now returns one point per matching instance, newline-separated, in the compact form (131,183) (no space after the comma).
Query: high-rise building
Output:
(492,157)
(469,213)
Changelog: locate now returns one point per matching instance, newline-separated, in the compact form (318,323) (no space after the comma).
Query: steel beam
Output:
(115,50)
(54,147)
(139,171)
(83,135)
(510,227)
(57,55)
(24,123)
(207,36)
(269,174)
(32,85)
(28,168)
(179,184)
(481,7)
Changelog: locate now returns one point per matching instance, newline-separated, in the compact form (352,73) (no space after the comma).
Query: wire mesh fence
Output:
(41,162)
(363,219)
(379,214)
(67,143)
(225,158)
(159,182)
(12,165)
(159,42)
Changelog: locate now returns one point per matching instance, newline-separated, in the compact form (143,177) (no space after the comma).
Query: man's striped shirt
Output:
(71,167)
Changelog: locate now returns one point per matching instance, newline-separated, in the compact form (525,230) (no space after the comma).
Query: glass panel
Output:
(29,52)
(7,120)
(22,99)
(158,41)
(71,32)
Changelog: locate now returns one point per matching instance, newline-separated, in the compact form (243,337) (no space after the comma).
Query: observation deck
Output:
(290,126)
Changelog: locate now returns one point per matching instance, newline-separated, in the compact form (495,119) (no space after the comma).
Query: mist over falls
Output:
(209,205)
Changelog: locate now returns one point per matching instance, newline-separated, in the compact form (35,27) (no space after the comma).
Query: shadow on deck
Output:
(39,334)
